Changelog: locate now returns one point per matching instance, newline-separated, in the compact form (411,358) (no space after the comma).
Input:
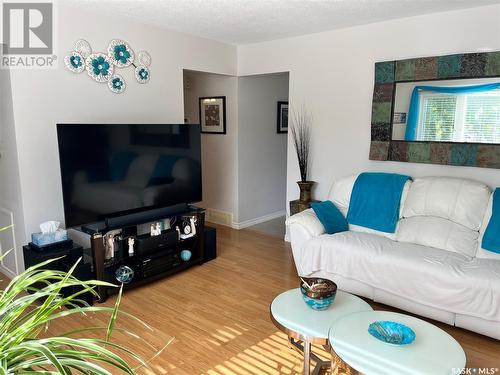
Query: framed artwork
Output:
(282,123)
(213,115)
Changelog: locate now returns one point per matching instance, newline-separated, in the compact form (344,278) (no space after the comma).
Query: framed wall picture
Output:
(282,124)
(213,115)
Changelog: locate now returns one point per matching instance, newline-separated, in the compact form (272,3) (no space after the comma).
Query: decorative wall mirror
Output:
(440,110)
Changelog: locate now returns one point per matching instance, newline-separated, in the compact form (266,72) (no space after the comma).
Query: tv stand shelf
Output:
(154,257)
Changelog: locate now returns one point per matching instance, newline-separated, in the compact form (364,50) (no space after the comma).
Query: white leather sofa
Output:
(433,265)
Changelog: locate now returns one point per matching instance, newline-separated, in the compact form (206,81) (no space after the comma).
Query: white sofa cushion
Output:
(482,253)
(459,200)
(309,221)
(340,195)
(340,192)
(440,233)
(433,277)
(445,213)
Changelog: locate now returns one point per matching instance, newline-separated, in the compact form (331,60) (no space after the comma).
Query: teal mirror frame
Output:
(458,66)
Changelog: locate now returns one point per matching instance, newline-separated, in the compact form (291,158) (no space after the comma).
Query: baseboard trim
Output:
(258,220)
(7,272)
(219,217)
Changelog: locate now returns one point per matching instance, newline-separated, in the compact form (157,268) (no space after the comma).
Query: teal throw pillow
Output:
(331,217)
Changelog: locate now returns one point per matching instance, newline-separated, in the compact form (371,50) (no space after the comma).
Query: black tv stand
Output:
(154,257)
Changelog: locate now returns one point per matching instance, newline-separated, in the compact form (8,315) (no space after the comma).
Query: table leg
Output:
(307,357)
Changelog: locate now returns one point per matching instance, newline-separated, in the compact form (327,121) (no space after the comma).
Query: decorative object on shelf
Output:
(124,274)
(185,255)
(301,136)
(109,243)
(155,229)
(282,122)
(213,114)
(117,84)
(318,293)
(188,226)
(130,243)
(392,332)
(101,67)
(296,206)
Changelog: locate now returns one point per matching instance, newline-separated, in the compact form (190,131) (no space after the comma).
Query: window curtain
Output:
(413,112)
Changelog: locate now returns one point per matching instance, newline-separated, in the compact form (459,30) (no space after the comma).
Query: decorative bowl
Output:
(319,294)
(185,255)
(392,332)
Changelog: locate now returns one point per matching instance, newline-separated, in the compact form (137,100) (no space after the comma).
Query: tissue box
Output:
(44,239)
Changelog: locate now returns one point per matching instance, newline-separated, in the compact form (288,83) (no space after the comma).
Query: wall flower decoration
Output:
(120,53)
(99,67)
(144,58)
(142,74)
(74,62)
(83,48)
(117,84)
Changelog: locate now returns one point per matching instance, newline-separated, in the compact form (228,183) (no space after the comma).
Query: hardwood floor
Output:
(219,314)
(274,227)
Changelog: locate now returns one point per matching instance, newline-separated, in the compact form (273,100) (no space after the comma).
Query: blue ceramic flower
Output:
(143,73)
(121,53)
(117,83)
(76,61)
(100,66)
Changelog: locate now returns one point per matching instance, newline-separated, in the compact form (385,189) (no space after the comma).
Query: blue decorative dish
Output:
(318,293)
(185,255)
(392,332)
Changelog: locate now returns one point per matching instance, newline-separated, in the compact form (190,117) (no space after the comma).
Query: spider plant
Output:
(25,318)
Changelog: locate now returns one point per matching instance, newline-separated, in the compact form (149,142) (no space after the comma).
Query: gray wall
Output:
(218,151)
(262,152)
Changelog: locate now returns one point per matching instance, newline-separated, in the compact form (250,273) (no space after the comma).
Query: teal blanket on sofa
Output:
(375,201)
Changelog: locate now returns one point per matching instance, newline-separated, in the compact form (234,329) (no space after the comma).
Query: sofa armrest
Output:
(302,227)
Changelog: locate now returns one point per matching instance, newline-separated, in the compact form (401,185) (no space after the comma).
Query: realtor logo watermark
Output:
(475,371)
(27,35)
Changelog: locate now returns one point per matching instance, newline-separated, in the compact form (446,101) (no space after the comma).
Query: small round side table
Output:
(433,352)
(305,326)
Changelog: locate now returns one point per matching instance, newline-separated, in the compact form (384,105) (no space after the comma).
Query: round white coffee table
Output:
(302,324)
(433,352)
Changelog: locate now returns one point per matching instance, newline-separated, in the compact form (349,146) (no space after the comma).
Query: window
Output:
(473,117)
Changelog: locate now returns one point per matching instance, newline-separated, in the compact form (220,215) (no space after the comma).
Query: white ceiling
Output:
(248,21)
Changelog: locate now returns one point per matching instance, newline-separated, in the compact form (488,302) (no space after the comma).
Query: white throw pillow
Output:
(309,221)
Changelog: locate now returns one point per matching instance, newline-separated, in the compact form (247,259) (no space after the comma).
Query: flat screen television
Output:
(109,170)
